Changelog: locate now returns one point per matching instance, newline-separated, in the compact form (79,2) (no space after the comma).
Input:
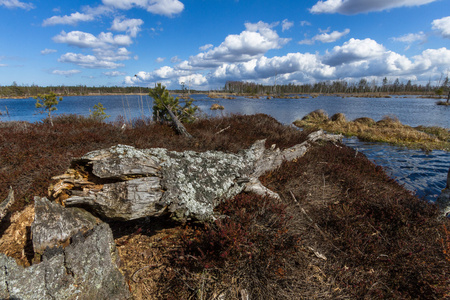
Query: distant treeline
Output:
(338,86)
(15,90)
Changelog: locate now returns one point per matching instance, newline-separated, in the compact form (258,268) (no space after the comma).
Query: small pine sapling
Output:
(47,102)
(98,113)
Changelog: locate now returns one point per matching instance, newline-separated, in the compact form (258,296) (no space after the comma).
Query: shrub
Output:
(249,244)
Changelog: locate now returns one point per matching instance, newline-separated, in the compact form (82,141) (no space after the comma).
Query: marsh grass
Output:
(388,130)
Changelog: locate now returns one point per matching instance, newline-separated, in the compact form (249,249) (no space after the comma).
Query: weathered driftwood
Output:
(127,183)
(87,268)
(6,204)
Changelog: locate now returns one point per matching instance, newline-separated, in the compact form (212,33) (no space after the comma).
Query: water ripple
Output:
(422,173)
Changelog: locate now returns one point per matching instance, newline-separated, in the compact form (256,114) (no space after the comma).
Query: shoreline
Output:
(225,95)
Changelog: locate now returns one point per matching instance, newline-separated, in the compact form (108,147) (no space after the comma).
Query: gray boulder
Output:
(86,269)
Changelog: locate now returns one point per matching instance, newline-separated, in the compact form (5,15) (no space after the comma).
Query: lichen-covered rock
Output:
(443,201)
(86,269)
(54,224)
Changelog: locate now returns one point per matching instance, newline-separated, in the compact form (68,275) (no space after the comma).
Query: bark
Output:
(125,183)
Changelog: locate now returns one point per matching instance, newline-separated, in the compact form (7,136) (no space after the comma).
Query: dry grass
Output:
(388,130)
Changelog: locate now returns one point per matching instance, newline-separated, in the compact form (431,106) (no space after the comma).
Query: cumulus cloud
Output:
(351,7)
(88,61)
(112,55)
(354,50)
(48,51)
(87,40)
(160,59)
(163,74)
(442,26)
(286,25)
(326,37)
(130,26)
(159,7)
(16,4)
(66,73)
(257,39)
(73,19)
(206,47)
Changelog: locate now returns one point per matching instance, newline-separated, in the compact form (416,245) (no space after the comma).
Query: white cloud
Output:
(411,38)
(48,51)
(16,4)
(286,25)
(88,61)
(113,73)
(195,80)
(354,50)
(87,40)
(159,7)
(112,55)
(206,47)
(326,37)
(130,26)
(66,73)
(160,59)
(351,7)
(305,23)
(257,39)
(442,26)
(432,58)
(73,19)
(175,60)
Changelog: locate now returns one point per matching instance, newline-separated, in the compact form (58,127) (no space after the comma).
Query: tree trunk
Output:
(177,123)
(125,183)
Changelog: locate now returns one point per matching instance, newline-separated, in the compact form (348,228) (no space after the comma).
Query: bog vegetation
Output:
(342,230)
(388,130)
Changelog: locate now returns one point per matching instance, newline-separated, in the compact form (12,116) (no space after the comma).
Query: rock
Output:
(6,204)
(443,201)
(85,269)
(54,225)
(125,183)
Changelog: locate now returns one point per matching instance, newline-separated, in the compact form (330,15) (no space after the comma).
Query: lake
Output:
(423,173)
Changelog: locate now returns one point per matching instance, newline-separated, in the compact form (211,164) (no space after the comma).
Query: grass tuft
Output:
(388,130)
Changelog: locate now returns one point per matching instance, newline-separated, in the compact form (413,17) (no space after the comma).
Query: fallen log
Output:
(130,183)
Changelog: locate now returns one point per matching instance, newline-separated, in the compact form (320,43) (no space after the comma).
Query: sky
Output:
(204,43)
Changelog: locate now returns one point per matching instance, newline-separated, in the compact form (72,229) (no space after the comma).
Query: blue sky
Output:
(204,43)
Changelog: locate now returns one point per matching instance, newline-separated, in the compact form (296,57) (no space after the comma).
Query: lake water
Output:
(423,173)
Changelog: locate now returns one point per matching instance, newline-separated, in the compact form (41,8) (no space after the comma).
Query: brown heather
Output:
(342,229)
